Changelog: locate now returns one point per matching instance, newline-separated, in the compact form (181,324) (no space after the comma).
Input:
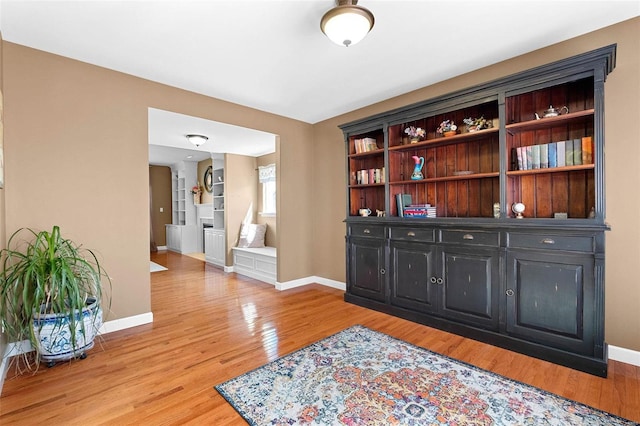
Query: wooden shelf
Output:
(367,154)
(366,185)
(449,178)
(462,137)
(549,121)
(551,170)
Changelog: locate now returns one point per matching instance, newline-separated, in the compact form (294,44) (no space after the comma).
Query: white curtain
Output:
(267,173)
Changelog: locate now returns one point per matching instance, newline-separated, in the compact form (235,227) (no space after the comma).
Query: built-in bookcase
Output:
(567,188)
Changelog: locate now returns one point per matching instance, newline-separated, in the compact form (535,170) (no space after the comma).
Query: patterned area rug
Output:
(363,377)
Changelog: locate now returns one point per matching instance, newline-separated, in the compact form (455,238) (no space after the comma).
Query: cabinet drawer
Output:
(480,238)
(551,242)
(412,234)
(359,230)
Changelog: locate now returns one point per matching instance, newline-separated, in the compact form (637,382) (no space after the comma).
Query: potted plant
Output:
(196,191)
(415,133)
(475,124)
(447,128)
(51,294)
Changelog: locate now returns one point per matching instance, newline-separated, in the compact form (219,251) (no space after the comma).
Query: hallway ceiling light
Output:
(197,140)
(347,23)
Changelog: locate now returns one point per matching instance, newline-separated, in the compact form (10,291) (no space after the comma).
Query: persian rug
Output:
(154,267)
(362,377)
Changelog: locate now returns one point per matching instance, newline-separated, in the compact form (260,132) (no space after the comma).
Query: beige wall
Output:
(622,105)
(160,185)
(241,186)
(76,150)
(2,206)
(270,237)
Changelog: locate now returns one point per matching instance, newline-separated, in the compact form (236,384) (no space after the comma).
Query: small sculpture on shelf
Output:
(415,133)
(475,124)
(417,169)
(447,128)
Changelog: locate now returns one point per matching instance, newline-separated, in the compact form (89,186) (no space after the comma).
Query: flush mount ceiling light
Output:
(197,140)
(347,23)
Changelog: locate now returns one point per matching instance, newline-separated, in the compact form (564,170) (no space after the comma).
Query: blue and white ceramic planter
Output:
(54,333)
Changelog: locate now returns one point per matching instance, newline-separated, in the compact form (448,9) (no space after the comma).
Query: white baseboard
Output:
(624,355)
(128,322)
(310,280)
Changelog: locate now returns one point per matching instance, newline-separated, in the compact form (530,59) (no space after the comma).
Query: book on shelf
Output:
(535,156)
(568,152)
(514,159)
(577,152)
(402,200)
(552,154)
(519,155)
(365,145)
(528,159)
(419,210)
(560,153)
(587,150)
(544,156)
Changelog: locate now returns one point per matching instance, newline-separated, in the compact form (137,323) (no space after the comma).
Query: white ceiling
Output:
(272,56)
(168,143)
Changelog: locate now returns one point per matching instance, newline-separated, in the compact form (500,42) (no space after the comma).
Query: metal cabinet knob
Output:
(382,271)
(440,281)
(509,292)
(366,231)
(467,237)
(433,280)
(411,234)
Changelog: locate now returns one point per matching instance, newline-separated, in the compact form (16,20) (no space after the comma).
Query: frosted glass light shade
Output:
(197,140)
(347,24)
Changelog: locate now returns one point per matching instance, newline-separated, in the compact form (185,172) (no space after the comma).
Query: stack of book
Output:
(365,145)
(368,176)
(573,152)
(419,210)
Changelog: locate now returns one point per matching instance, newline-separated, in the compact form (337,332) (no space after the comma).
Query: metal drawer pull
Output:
(467,237)
(509,292)
(366,231)
(433,280)
(548,241)
(411,234)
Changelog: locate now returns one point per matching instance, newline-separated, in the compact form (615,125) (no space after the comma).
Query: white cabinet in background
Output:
(182,238)
(214,246)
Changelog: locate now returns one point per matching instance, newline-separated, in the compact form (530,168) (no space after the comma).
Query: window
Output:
(267,176)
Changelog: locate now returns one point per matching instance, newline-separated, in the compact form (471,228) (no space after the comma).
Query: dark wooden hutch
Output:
(534,284)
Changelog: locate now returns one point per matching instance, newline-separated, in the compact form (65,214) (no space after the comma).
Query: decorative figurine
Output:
(417,170)
(518,208)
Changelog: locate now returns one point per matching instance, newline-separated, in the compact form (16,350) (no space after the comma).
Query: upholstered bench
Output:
(258,263)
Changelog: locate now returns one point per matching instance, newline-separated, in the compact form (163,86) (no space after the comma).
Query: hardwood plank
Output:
(210,326)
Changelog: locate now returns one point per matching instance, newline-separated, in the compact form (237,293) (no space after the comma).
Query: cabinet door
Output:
(367,268)
(550,299)
(470,291)
(219,247)
(413,278)
(174,238)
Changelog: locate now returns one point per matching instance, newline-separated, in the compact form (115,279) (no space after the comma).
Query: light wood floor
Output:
(209,327)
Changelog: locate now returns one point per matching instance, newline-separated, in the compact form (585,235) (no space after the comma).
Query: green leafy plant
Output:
(43,274)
